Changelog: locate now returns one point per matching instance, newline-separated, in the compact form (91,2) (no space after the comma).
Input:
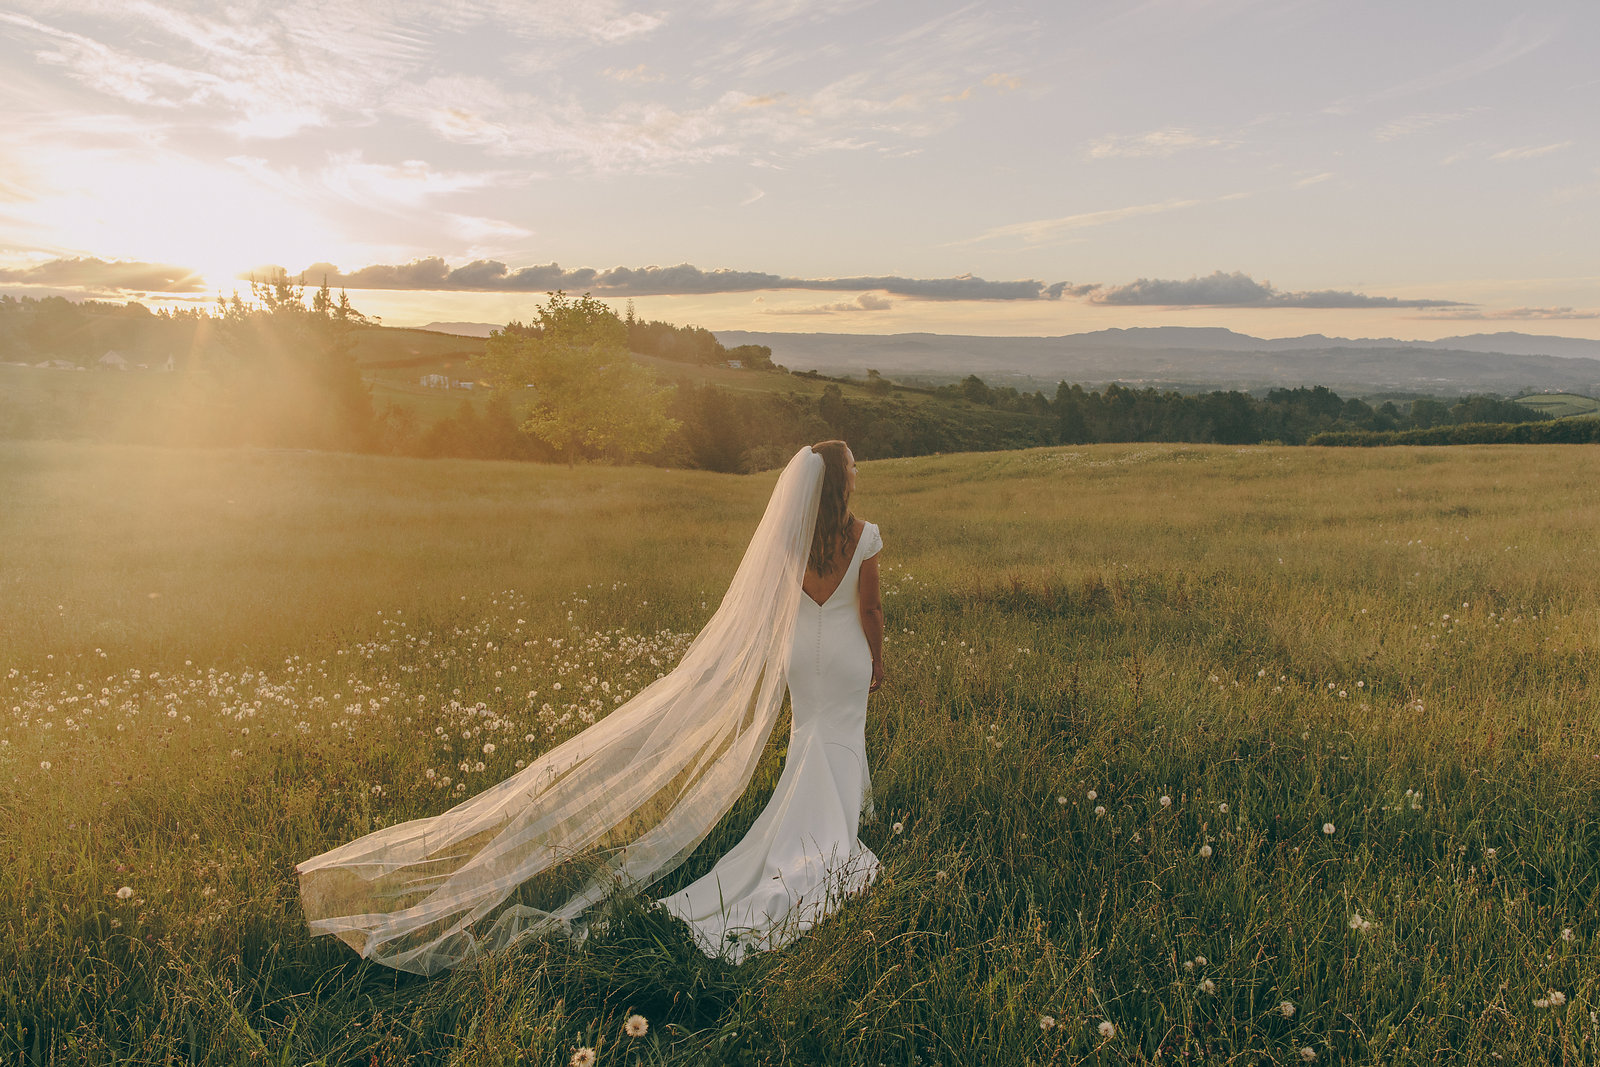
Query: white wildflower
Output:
(1108,1029)
(1308,1053)
(1207,986)
(898,827)
(1327,828)
(1166,801)
(583,1057)
(636,1026)
(1047,1022)
(125,892)
(1286,1009)
(1205,852)
(1093,795)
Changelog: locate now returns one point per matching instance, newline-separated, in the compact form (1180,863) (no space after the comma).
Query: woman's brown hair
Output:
(834,520)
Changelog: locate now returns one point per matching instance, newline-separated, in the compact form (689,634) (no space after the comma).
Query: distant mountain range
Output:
(1191,357)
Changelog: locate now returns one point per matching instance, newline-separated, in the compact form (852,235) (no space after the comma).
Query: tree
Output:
(288,375)
(588,397)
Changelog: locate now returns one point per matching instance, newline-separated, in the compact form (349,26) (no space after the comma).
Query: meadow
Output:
(1187,753)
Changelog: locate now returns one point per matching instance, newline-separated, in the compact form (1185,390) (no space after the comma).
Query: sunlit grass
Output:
(1363,681)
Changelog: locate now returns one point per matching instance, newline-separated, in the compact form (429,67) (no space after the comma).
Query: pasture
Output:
(1561,405)
(1196,753)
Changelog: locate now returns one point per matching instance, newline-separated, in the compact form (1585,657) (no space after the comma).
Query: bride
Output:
(625,802)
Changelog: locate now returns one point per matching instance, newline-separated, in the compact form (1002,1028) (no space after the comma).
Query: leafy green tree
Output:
(585,395)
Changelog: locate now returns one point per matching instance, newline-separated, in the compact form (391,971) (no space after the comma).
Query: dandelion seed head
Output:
(1093,795)
(1047,1022)
(898,827)
(1327,828)
(1166,801)
(1108,1029)
(636,1026)
(1099,810)
(583,1057)
(125,892)
(1308,1053)
(1286,1009)
(1207,986)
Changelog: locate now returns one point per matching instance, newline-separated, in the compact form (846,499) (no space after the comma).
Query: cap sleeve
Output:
(871,542)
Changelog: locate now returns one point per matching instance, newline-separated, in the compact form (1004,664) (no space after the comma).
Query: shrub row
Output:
(1557,432)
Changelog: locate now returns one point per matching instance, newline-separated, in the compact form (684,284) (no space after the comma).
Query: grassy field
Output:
(1244,755)
(1561,405)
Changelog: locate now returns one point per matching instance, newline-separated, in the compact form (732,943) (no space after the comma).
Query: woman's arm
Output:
(872,617)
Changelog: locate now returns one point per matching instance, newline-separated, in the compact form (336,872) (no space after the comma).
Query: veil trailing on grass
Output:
(618,806)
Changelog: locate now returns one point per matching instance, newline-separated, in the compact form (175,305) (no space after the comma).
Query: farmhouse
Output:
(113,360)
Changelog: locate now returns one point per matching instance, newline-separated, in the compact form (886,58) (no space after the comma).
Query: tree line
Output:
(277,368)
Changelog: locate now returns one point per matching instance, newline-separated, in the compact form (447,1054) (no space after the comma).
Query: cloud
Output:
(864,302)
(638,74)
(1240,290)
(1531,151)
(1407,125)
(488,275)
(1155,143)
(1524,314)
(1056,291)
(129,276)
(1038,230)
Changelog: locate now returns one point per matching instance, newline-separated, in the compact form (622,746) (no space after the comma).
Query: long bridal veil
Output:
(619,805)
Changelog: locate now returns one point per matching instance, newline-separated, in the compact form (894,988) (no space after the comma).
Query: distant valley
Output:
(1184,357)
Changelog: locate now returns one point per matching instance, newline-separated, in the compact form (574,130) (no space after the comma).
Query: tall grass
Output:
(1396,647)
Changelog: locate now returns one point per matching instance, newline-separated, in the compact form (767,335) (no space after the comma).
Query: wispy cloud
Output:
(1515,314)
(1530,151)
(1517,41)
(864,302)
(1240,290)
(1037,230)
(1406,125)
(1164,142)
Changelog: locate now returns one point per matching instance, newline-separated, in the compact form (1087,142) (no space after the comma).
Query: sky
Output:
(1280,167)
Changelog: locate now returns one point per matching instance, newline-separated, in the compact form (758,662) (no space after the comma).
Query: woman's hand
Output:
(877,676)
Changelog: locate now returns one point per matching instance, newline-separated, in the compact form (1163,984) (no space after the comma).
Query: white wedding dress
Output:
(801,858)
(618,806)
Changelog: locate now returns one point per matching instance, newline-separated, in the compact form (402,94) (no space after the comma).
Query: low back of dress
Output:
(802,856)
